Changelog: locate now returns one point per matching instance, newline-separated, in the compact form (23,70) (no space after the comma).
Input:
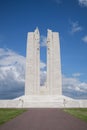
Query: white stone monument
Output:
(49,96)
(32,79)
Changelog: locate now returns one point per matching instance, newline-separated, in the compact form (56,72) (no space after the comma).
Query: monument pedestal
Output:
(44,101)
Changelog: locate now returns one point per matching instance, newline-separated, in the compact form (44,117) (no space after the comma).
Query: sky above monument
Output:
(68,17)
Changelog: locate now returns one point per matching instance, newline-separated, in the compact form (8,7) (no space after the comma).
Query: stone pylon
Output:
(54,81)
(32,77)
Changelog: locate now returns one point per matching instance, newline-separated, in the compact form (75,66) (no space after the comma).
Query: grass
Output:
(80,113)
(8,114)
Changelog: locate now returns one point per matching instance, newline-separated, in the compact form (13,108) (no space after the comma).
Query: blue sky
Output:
(19,17)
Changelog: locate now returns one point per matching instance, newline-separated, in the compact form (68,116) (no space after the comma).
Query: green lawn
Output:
(7,114)
(78,112)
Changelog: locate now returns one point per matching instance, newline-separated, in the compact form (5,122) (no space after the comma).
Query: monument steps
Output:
(43,101)
(50,101)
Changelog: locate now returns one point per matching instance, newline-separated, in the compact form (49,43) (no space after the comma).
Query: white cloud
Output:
(75,27)
(42,65)
(43,40)
(12,73)
(74,87)
(8,57)
(76,74)
(84,39)
(42,78)
(83,3)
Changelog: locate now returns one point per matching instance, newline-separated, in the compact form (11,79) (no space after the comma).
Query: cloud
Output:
(43,41)
(9,57)
(83,3)
(75,27)
(74,88)
(76,74)
(85,39)
(42,65)
(42,78)
(12,74)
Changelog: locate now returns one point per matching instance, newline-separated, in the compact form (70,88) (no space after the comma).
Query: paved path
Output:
(45,119)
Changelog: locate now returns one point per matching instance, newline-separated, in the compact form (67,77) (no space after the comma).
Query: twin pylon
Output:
(32,76)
